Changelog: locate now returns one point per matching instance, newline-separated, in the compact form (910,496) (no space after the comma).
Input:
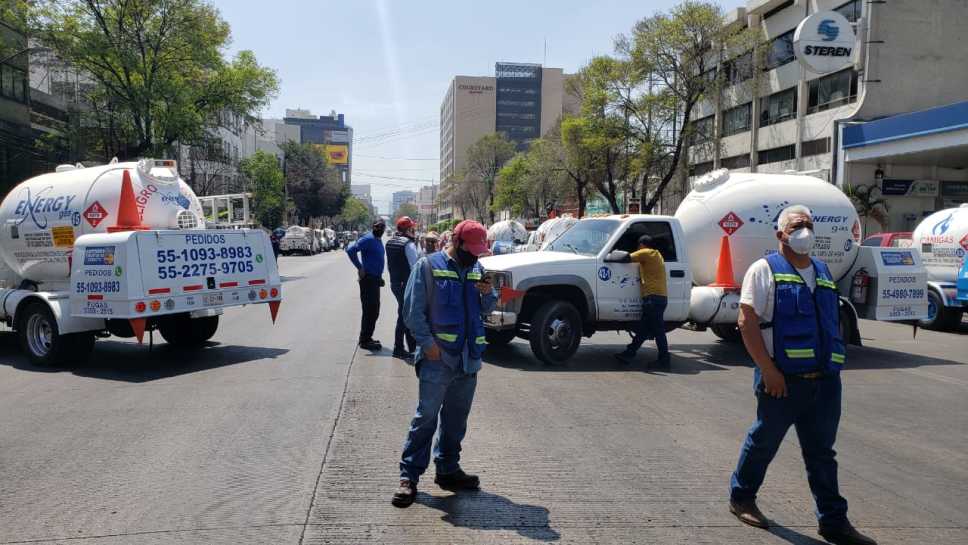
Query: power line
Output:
(397,158)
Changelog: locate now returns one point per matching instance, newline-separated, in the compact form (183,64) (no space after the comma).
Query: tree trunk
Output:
(674,164)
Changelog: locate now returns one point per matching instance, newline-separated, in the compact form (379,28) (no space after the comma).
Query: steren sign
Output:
(825,42)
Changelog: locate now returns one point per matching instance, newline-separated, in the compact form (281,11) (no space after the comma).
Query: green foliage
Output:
(485,158)
(868,204)
(267,185)
(406,209)
(445,225)
(531,181)
(159,70)
(314,187)
(512,186)
(355,215)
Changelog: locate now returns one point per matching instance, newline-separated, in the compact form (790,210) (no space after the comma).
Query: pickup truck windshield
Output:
(587,237)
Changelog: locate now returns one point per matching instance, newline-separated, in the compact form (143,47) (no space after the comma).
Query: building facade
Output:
(427,203)
(776,115)
(331,134)
(400,198)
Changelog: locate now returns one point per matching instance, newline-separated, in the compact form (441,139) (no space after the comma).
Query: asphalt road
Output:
(286,434)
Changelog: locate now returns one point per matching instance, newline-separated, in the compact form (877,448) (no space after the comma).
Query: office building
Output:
(427,203)
(888,116)
(523,101)
(400,198)
(332,136)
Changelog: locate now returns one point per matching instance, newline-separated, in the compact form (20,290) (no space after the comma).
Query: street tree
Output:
(355,215)
(532,181)
(315,188)
(406,209)
(484,160)
(668,59)
(159,70)
(266,182)
(469,197)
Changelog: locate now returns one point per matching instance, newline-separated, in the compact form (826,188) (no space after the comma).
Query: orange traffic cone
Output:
(138,327)
(724,267)
(128,217)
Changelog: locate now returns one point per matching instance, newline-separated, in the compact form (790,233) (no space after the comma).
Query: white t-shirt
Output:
(758,290)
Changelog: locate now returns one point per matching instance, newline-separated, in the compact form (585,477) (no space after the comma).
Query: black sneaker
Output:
(405,494)
(402,354)
(372,345)
(457,480)
(662,362)
(845,535)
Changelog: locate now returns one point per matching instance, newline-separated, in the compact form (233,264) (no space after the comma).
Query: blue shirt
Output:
(373,254)
(415,314)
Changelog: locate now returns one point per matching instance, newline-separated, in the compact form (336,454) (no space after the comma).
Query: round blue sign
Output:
(604,274)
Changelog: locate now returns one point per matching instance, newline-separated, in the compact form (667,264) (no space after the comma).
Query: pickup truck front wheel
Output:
(555,332)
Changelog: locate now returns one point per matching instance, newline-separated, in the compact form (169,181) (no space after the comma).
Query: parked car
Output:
(900,239)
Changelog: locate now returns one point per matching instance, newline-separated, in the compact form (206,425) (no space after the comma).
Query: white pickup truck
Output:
(582,283)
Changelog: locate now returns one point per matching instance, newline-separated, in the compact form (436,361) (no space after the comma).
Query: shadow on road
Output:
(479,510)
(129,362)
(792,536)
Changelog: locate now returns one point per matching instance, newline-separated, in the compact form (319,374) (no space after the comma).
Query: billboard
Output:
(338,137)
(335,154)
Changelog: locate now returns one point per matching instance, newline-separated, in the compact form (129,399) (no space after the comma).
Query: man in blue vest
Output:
(401,257)
(446,296)
(789,318)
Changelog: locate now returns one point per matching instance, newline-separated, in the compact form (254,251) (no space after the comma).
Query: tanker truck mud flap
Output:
(178,281)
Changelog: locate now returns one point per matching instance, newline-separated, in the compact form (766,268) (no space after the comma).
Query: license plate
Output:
(212,299)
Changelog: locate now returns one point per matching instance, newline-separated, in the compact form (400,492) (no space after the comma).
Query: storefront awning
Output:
(938,136)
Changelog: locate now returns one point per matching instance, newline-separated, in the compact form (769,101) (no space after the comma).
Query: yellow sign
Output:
(337,154)
(63,236)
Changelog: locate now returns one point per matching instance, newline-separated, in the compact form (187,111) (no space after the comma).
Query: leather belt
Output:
(810,376)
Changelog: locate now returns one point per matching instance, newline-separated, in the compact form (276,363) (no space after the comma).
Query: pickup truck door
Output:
(618,283)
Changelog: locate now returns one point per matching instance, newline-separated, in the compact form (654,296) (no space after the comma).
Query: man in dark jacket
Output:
(401,256)
(370,272)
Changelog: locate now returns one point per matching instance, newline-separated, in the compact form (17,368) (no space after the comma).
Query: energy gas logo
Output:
(37,207)
(828,29)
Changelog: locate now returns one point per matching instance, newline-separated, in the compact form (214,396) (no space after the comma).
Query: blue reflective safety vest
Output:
(806,326)
(454,305)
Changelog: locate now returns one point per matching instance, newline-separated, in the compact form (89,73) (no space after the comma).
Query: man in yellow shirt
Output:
(652,287)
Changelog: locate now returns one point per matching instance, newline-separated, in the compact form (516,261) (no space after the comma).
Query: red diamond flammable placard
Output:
(730,223)
(95,214)
(964,242)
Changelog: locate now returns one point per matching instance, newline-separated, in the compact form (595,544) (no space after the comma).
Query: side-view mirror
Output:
(617,256)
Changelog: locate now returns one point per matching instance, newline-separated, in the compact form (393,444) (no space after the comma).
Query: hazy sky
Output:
(386,64)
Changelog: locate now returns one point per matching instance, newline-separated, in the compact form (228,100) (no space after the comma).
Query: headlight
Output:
(499,279)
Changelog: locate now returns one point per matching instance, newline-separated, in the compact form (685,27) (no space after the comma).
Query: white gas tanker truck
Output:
(943,240)
(121,249)
(582,283)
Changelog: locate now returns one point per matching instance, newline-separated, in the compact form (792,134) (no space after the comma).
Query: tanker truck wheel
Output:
(940,317)
(555,332)
(181,330)
(727,332)
(43,343)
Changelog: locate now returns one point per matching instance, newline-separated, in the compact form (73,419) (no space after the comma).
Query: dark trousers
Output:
(401,332)
(370,301)
(652,325)
(446,396)
(812,406)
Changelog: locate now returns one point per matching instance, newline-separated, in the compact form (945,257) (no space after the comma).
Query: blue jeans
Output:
(813,407)
(446,395)
(652,325)
(401,332)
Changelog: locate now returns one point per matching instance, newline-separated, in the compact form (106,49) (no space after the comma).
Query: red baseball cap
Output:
(474,236)
(404,223)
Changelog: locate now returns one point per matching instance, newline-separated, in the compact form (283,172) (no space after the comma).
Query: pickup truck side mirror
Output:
(617,256)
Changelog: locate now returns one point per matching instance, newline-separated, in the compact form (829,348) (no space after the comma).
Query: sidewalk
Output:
(590,453)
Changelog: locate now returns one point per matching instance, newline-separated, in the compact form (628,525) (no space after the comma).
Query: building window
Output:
(702,129)
(850,10)
(739,69)
(775,155)
(736,161)
(778,107)
(780,51)
(699,169)
(737,120)
(832,91)
(815,147)
(777,9)
(13,83)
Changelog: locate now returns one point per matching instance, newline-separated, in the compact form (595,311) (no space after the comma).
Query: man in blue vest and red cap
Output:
(445,300)
(790,321)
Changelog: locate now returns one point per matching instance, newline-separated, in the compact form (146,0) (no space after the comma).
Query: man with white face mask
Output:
(789,318)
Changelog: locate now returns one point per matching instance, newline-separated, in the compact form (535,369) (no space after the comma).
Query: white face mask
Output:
(801,241)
